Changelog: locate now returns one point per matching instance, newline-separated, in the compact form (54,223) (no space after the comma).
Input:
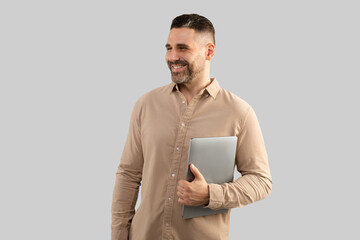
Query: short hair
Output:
(194,21)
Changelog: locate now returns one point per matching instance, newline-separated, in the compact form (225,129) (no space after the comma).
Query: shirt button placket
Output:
(175,165)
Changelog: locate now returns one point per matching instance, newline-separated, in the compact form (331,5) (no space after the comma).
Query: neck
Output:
(192,89)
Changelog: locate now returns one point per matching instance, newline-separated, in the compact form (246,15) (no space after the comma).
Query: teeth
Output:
(177,67)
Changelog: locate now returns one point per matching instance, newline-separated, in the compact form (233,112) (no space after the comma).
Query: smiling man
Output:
(155,153)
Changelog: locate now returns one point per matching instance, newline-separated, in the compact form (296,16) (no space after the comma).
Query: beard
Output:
(185,76)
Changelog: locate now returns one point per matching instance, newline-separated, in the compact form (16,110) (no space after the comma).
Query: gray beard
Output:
(183,80)
(186,78)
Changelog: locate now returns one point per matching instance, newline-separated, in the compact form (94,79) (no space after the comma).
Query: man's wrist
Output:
(208,196)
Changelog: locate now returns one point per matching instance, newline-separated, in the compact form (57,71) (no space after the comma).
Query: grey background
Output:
(71,72)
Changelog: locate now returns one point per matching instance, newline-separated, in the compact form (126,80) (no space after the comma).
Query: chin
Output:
(180,81)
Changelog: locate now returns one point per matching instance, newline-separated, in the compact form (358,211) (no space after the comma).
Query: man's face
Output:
(185,55)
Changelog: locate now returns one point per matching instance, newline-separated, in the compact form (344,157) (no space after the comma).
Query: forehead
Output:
(181,36)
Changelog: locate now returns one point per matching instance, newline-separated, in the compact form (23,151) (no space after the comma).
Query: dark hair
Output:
(194,21)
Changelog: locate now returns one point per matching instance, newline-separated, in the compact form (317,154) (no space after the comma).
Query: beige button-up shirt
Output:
(155,157)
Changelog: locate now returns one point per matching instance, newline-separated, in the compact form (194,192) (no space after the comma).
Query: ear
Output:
(210,51)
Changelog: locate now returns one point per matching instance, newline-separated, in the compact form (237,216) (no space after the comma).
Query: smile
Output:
(178,67)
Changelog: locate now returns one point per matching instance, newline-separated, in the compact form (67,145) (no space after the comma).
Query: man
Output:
(155,154)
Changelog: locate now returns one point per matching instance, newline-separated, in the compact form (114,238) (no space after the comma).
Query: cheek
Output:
(166,60)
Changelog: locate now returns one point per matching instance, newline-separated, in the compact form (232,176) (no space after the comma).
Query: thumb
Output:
(196,172)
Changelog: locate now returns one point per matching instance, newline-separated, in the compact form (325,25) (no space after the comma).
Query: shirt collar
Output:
(213,88)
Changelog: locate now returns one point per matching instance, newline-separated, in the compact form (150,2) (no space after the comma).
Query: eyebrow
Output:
(182,45)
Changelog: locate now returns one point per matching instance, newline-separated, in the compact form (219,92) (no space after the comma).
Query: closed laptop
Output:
(215,159)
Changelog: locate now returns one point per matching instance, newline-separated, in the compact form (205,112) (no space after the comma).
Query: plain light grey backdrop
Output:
(71,72)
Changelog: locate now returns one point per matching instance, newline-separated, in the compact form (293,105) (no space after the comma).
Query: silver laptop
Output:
(215,159)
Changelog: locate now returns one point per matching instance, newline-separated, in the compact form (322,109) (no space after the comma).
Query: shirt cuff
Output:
(216,196)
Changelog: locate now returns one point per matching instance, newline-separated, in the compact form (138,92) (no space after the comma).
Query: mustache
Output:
(181,62)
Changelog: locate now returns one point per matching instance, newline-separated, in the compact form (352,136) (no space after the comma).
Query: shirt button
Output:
(183,101)
(166,224)
(173,175)
(207,95)
(169,198)
(183,124)
(178,148)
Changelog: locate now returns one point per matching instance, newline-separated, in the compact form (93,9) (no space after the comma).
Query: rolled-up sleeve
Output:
(128,179)
(252,162)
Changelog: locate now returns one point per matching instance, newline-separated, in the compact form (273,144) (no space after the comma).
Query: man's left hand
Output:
(193,193)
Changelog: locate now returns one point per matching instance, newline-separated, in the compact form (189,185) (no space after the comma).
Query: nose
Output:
(172,56)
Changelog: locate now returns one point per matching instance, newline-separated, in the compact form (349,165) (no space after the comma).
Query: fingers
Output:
(183,192)
(182,202)
(182,183)
(196,172)
(181,199)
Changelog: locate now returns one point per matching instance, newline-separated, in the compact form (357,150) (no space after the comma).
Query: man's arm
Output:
(128,178)
(252,162)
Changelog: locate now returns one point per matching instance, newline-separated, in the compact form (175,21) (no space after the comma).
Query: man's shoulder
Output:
(154,94)
(236,103)
(158,92)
